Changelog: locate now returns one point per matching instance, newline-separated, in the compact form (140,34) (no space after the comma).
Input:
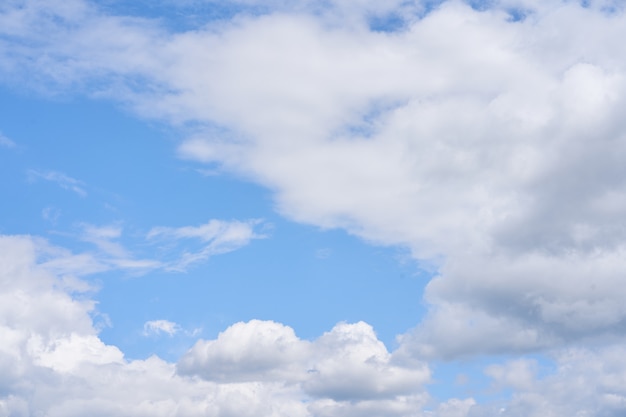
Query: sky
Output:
(312,209)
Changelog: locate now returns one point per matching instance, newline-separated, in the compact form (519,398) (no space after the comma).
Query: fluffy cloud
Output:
(585,382)
(52,361)
(251,351)
(352,364)
(493,148)
(519,303)
(348,363)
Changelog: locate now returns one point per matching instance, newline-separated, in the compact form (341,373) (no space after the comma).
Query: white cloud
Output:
(537,300)
(70,352)
(347,371)
(494,148)
(217,237)
(156,327)
(454,408)
(167,249)
(253,351)
(352,364)
(52,361)
(586,382)
(111,253)
(104,237)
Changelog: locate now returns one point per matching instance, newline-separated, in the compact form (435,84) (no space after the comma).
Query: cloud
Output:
(346,364)
(62,180)
(6,142)
(52,361)
(352,364)
(537,301)
(216,237)
(565,391)
(347,368)
(492,147)
(253,351)
(104,238)
(166,249)
(51,214)
(112,253)
(156,327)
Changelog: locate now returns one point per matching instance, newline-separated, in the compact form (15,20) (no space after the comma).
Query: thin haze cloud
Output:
(158,327)
(6,142)
(217,237)
(62,180)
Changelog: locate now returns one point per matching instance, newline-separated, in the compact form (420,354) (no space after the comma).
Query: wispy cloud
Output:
(104,238)
(51,214)
(169,248)
(215,237)
(62,180)
(6,142)
(158,327)
(112,251)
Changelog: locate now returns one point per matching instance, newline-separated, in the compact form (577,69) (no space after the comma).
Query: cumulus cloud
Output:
(348,363)
(493,148)
(251,351)
(584,382)
(354,364)
(347,371)
(520,303)
(52,361)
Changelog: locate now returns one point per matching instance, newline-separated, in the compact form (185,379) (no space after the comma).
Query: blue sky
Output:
(284,276)
(312,208)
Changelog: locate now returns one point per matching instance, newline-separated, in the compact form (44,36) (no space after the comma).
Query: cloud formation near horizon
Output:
(54,363)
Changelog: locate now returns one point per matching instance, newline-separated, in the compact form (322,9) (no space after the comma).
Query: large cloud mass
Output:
(488,140)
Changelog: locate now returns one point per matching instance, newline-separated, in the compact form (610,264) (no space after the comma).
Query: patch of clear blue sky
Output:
(184,15)
(193,14)
(179,15)
(299,275)
(391,22)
